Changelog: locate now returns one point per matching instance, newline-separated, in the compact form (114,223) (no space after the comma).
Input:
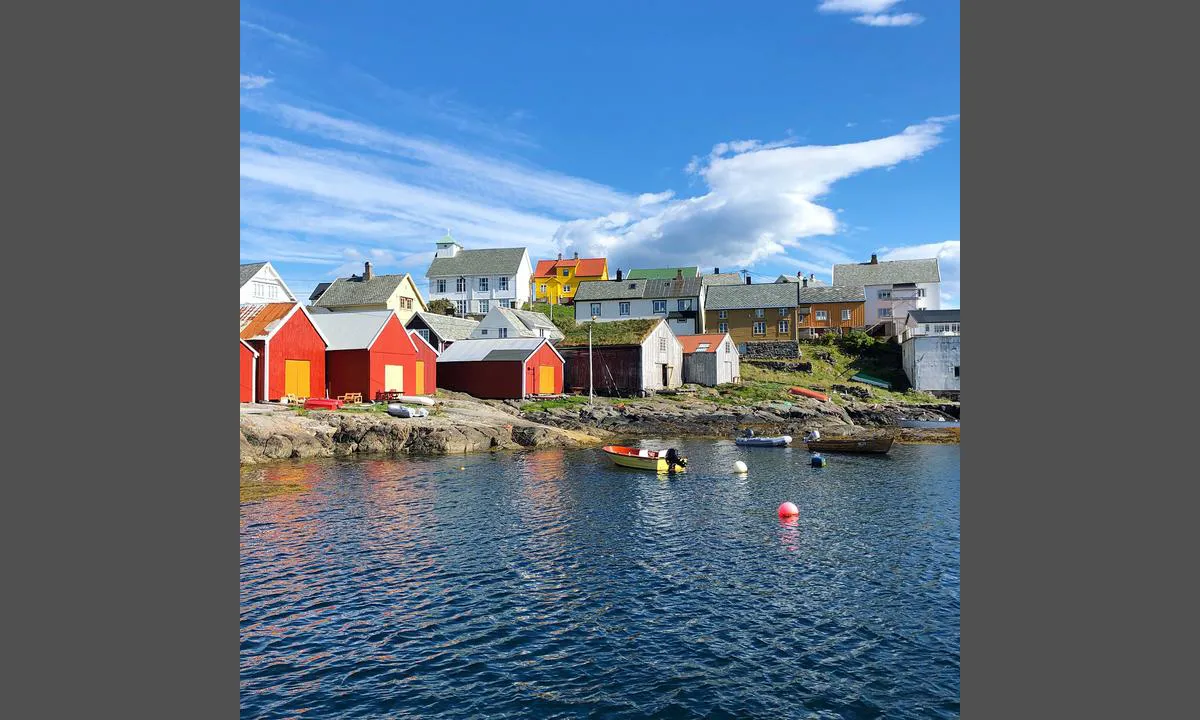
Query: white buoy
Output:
(739,467)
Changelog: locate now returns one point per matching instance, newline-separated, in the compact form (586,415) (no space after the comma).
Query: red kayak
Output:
(809,393)
(322,404)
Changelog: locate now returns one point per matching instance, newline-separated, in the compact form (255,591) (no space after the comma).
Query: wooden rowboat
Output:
(809,393)
(879,444)
(641,459)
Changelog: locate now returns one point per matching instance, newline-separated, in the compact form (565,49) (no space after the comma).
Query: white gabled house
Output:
(678,301)
(262,284)
(501,322)
(893,288)
(478,280)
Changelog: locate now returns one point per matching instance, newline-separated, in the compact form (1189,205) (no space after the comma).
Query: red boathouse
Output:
(509,368)
(370,351)
(249,357)
(428,356)
(290,347)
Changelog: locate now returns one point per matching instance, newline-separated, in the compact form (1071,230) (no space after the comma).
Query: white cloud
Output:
(871,12)
(281,37)
(898,20)
(947,254)
(254,82)
(760,204)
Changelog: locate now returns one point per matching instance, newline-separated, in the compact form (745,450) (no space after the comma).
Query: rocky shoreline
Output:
(462,424)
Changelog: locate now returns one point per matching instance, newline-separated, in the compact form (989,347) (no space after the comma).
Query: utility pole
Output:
(591,392)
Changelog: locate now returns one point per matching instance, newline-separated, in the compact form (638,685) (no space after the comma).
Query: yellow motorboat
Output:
(641,459)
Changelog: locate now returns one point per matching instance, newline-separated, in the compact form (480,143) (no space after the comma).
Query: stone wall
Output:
(770,350)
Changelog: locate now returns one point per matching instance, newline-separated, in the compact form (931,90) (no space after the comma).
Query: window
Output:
(483,306)
(424,333)
(483,284)
(660,306)
(821,315)
(845,314)
(566,272)
(483,331)
(662,344)
(783,311)
(461,307)
(596,309)
(264,290)
(439,286)
(684,304)
(955,371)
(885,294)
(723,327)
(503,283)
(566,288)
(920,292)
(722,314)
(624,308)
(783,327)
(885,312)
(760,328)
(543,290)
(460,285)
(503,332)
(759,312)
(727,347)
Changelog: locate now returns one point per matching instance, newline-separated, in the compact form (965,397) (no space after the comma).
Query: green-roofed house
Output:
(628,357)
(478,280)
(663,273)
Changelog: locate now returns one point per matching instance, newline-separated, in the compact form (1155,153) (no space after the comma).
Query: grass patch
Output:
(617,332)
(563,316)
(551,403)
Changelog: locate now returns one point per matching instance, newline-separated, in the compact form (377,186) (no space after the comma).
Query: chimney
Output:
(874,259)
(747,279)
(799,273)
(803,281)
(678,273)
(560,257)
(812,276)
(576,256)
(716,271)
(367,273)
(618,274)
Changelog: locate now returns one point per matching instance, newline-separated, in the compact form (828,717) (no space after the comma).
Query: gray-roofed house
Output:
(829,308)
(893,288)
(369,291)
(930,351)
(800,279)
(478,280)
(440,331)
(509,368)
(678,300)
(720,278)
(763,313)
(261,283)
(501,322)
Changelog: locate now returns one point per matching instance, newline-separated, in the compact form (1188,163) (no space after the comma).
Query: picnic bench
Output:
(350,397)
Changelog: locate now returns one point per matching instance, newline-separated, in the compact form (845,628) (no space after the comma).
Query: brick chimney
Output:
(803,281)
(874,259)
(367,272)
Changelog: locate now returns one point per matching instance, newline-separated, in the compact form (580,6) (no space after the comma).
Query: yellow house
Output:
(369,292)
(555,281)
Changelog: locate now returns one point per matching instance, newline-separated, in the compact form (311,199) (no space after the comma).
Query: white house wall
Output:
(652,358)
(900,308)
(268,282)
(492,322)
(518,288)
(610,310)
(929,362)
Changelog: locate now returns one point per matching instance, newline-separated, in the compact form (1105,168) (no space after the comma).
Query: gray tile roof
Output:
(527,323)
(794,279)
(689,287)
(610,289)
(473,350)
(446,327)
(887,272)
(830,294)
(356,291)
(934,316)
(317,292)
(248,271)
(734,297)
(723,279)
(491,261)
(351,330)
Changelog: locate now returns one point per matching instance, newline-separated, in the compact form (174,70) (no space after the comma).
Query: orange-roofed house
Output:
(710,359)
(290,347)
(555,281)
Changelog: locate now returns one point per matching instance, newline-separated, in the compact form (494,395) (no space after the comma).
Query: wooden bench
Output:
(350,397)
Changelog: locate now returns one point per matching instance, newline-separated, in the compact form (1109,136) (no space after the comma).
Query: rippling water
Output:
(551,584)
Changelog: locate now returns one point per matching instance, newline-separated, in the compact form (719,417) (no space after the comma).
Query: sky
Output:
(772,137)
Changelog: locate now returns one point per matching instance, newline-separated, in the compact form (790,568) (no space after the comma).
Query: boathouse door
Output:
(296,378)
(393,377)
(420,381)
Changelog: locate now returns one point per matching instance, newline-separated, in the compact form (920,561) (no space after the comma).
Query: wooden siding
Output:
(426,355)
(246,374)
(617,370)
(741,324)
(296,340)
(857,316)
(544,357)
(495,380)
(362,371)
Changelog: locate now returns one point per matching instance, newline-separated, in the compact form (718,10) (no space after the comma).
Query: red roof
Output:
(255,318)
(692,343)
(588,267)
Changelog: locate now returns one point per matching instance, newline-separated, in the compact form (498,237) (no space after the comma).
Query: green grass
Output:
(563,316)
(552,403)
(618,332)
(882,361)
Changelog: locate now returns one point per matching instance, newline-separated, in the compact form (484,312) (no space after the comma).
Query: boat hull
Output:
(852,445)
(809,393)
(764,441)
(632,458)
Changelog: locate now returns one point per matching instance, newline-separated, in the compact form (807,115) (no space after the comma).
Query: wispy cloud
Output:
(274,35)
(947,254)
(254,82)
(871,12)
(760,205)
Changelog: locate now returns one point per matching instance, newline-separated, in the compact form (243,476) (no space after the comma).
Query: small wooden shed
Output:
(710,359)
(511,368)
(628,357)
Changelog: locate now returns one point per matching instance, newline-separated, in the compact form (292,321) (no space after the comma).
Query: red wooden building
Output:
(249,358)
(290,347)
(510,368)
(427,355)
(370,351)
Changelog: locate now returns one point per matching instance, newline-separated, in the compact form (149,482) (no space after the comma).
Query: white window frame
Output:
(483,284)
(885,312)
(722,314)
(461,307)
(597,309)
(760,312)
(783,326)
(885,294)
(846,314)
(727,348)
(760,328)
(623,308)
(424,333)
(503,332)
(460,285)
(484,306)
(503,285)
(684,304)
(439,286)
(821,315)
(920,292)
(566,288)
(783,311)
(662,344)
(660,306)
(483,331)
(723,327)
(566,272)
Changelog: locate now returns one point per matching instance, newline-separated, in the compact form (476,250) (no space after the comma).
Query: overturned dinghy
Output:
(403,411)
(755,440)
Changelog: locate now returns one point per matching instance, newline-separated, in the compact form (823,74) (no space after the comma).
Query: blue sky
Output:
(774,137)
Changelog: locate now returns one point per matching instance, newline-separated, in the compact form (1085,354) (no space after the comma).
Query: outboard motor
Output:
(674,459)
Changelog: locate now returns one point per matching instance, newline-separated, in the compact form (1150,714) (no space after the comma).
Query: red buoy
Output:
(788,509)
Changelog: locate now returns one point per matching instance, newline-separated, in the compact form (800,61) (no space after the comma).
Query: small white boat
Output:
(756,441)
(400,411)
(413,400)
